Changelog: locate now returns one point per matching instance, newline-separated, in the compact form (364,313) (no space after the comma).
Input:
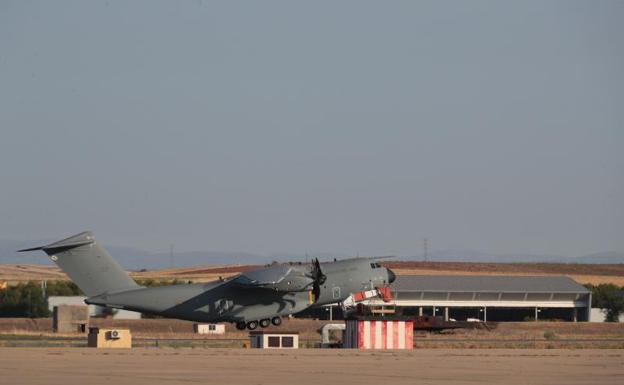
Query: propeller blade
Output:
(316,291)
(318,278)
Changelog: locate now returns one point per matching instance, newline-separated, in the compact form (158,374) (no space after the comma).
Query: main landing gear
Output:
(265,322)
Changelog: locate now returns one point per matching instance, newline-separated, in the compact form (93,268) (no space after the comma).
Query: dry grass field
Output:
(154,328)
(582,273)
(70,366)
(510,335)
(22,273)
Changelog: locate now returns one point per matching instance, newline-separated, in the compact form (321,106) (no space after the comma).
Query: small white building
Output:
(209,328)
(600,315)
(273,340)
(109,338)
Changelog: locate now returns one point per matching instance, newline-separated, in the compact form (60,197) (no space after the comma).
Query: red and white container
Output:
(379,334)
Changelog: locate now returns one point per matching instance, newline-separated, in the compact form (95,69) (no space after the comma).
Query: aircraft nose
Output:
(391,276)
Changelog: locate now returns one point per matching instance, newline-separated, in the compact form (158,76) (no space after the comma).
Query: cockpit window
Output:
(374,265)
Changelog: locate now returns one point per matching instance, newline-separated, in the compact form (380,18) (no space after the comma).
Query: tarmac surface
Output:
(68,366)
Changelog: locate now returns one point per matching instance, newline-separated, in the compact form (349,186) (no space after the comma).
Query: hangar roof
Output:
(488,283)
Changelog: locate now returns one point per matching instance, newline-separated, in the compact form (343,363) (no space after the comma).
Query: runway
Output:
(68,366)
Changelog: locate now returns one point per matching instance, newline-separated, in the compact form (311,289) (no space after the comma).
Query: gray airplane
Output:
(258,297)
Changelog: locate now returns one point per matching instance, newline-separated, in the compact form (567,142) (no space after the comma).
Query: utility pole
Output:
(425,248)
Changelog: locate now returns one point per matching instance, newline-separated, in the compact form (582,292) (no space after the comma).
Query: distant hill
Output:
(135,259)
(608,257)
(605,257)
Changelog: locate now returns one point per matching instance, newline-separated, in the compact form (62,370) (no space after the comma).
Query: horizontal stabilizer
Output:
(55,247)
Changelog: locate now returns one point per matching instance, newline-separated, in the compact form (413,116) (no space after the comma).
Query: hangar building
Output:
(492,298)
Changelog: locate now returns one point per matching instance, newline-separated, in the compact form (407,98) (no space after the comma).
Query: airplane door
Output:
(336,292)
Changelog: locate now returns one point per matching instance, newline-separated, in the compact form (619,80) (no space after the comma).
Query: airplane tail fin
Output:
(87,264)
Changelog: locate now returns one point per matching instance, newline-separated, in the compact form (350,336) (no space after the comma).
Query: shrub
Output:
(23,300)
(62,288)
(162,282)
(550,335)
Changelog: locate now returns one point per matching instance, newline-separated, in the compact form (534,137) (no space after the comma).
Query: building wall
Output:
(94,310)
(493,306)
(599,315)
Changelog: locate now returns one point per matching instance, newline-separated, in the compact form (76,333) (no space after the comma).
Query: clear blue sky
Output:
(341,126)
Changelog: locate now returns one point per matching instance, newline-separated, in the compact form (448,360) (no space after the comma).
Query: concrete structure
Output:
(492,298)
(209,328)
(109,338)
(379,334)
(70,319)
(94,310)
(600,315)
(274,340)
(325,329)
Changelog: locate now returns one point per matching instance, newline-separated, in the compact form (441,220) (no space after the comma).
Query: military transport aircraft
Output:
(258,297)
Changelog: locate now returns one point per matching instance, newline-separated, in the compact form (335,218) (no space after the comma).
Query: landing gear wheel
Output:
(241,325)
(251,325)
(277,321)
(265,322)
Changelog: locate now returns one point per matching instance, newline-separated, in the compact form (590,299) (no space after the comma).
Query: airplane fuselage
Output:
(226,301)
(251,299)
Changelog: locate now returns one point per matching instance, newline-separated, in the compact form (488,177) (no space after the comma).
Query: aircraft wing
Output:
(278,277)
